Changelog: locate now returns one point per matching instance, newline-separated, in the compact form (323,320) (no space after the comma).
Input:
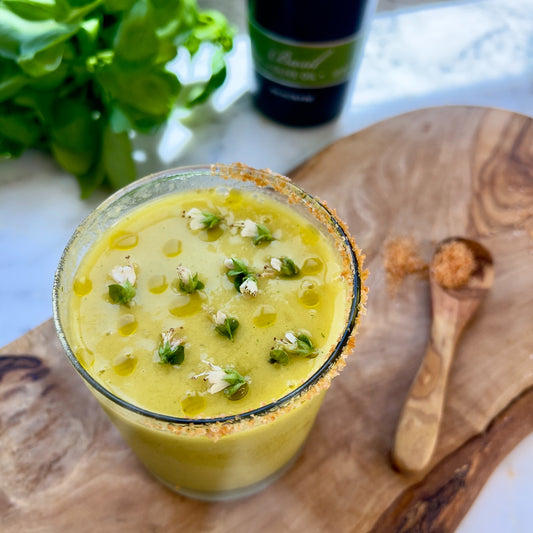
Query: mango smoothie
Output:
(208,310)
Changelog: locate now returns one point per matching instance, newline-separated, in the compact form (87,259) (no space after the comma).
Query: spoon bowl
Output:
(452,308)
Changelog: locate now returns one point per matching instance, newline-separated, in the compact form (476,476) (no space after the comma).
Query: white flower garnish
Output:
(184,274)
(229,218)
(172,339)
(276,264)
(121,274)
(248,228)
(291,337)
(228,263)
(196,218)
(216,377)
(219,318)
(248,286)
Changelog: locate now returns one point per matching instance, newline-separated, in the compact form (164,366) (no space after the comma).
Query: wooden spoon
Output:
(418,426)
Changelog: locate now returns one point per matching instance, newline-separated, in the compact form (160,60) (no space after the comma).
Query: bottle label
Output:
(302,64)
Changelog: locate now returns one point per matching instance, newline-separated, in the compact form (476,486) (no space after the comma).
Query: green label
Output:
(303,64)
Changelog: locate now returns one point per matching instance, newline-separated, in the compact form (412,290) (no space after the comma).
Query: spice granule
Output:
(402,258)
(453,265)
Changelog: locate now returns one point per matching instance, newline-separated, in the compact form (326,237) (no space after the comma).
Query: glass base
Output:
(233,494)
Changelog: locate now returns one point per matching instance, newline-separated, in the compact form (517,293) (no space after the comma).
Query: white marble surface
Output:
(478,53)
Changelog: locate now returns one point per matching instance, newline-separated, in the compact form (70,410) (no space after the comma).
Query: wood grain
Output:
(427,174)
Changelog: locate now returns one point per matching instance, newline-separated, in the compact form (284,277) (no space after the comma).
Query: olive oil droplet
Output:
(234,199)
(265,316)
(82,286)
(308,294)
(193,404)
(124,364)
(210,235)
(127,325)
(186,304)
(85,358)
(157,284)
(172,248)
(312,265)
(309,235)
(124,241)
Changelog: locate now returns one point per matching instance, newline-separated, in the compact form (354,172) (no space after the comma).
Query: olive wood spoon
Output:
(418,426)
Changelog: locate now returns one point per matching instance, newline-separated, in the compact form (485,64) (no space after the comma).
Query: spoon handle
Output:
(418,426)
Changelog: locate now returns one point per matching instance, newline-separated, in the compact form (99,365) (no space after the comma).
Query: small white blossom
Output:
(291,337)
(228,263)
(215,377)
(170,337)
(219,318)
(121,274)
(289,342)
(249,286)
(229,218)
(184,274)
(275,263)
(196,218)
(248,228)
(300,344)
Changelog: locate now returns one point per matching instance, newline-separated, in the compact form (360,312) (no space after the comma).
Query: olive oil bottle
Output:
(304,54)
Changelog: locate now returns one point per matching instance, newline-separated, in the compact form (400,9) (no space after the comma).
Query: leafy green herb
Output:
(187,282)
(171,350)
(228,327)
(210,220)
(303,346)
(277,355)
(292,344)
(172,356)
(121,293)
(238,387)
(288,268)
(193,284)
(263,235)
(239,274)
(77,76)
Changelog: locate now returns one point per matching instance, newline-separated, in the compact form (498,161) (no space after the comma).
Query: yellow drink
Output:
(155,361)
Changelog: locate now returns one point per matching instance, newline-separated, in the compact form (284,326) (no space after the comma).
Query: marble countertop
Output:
(473,53)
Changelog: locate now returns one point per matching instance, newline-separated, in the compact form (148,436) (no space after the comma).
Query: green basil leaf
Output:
(21,40)
(12,79)
(113,6)
(88,36)
(73,126)
(136,40)
(20,126)
(93,179)
(74,10)
(10,149)
(203,93)
(44,61)
(118,162)
(119,121)
(75,162)
(32,9)
(152,93)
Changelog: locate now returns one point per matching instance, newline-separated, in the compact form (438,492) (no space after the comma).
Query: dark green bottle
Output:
(304,54)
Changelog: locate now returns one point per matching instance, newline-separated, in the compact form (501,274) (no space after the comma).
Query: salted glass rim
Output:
(186,172)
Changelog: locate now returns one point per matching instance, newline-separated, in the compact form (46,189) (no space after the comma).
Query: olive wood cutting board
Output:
(427,174)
